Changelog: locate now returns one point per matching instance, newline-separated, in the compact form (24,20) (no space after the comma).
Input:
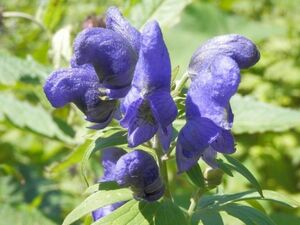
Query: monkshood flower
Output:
(110,156)
(139,171)
(149,107)
(101,70)
(215,73)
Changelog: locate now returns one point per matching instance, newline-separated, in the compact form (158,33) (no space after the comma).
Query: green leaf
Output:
(169,213)
(110,185)
(71,159)
(225,167)
(97,200)
(252,116)
(217,200)
(248,215)
(132,213)
(196,177)
(22,215)
(208,217)
(109,138)
(34,118)
(166,12)
(240,168)
(13,69)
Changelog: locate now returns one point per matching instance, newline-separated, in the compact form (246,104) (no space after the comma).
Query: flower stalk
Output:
(162,166)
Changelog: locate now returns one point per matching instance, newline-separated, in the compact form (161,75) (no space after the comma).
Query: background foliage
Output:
(36,189)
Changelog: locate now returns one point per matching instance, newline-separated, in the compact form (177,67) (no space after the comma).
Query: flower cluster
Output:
(137,170)
(118,69)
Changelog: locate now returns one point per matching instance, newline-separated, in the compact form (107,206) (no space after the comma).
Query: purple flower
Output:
(139,171)
(149,107)
(215,73)
(101,70)
(110,156)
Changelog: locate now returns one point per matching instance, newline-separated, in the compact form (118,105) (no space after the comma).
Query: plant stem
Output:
(162,166)
(24,16)
(194,200)
(180,84)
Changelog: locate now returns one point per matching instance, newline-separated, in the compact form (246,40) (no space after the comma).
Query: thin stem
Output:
(194,200)
(180,84)
(163,166)
(24,16)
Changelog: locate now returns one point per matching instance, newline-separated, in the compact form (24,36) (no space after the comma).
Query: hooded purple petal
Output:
(139,171)
(110,156)
(192,141)
(116,22)
(153,69)
(209,156)
(110,54)
(149,105)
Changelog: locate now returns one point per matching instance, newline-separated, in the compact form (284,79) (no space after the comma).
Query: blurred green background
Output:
(36,36)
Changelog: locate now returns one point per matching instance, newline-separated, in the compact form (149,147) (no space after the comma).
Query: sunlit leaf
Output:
(252,116)
(34,118)
(97,200)
(132,213)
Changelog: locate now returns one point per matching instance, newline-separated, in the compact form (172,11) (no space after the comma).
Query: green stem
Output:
(24,16)
(194,200)
(162,166)
(180,85)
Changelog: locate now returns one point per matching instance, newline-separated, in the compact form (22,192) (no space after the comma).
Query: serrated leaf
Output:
(13,69)
(241,169)
(217,200)
(252,116)
(34,118)
(97,200)
(196,177)
(249,215)
(23,215)
(166,12)
(169,213)
(131,213)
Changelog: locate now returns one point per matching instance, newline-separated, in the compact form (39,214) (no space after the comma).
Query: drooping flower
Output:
(215,74)
(149,107)
(139,171)
(101,70)
(110,156)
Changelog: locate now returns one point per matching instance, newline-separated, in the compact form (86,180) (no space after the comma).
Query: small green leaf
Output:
(111,185)
(248,215)
(195,176)
(97,200)
(169,213)
(240,168)
(131,213)
(251,116)
(225,167)
(217,200)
